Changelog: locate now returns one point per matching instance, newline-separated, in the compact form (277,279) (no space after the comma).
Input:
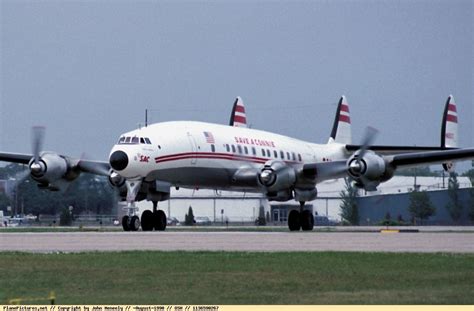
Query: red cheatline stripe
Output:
(343,118)
(344,108)
(240,119)
(239,108)
(205,154)
(451,118)
(452,107)
(218,156)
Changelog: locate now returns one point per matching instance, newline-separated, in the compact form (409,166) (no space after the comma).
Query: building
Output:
(237,207)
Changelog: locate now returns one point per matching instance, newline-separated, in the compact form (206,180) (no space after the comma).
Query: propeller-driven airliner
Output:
(147,162)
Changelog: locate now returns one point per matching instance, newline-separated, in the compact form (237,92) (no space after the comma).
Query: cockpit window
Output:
(127,140)
(134,140)
(142,140)
(121,140)
(147,140)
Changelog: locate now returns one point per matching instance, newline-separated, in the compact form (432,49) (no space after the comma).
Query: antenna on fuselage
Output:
(146,117)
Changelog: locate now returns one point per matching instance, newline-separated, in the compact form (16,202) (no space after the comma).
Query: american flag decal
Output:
(209,137)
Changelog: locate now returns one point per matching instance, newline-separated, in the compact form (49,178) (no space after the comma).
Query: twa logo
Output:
(449,135)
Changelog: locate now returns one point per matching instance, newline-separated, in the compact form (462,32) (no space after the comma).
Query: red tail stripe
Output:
(452,107)
(240,119)
(239,108)
(343,118)
(451,118)
(344,108)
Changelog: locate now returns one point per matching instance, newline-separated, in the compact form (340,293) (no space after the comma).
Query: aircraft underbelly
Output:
(214,175)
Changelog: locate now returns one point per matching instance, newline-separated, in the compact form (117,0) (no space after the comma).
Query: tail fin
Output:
(341,129)
(449,129)
(238,117)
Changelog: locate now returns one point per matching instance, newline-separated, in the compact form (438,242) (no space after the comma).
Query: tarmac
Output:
(375,241)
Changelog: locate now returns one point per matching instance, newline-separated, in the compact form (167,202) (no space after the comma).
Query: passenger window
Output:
(246,150)
(263,152)
(294,156)
(147,140)
(282,154)
(213,148)
(127,140)
(254,151)
(233,148)
(142,140)
(288,156)
(299,158)
(227,147)
(275,154)
(268,153)
(239,147)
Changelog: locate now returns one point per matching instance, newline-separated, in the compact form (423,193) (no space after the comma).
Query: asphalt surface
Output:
(452,242)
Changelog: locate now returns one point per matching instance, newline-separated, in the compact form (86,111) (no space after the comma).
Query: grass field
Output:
(239,278)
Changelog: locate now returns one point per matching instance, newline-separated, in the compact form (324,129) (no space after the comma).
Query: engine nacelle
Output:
(369,170)
(276,176)
(280,196)
(305,195)
(50,168)
(115,179)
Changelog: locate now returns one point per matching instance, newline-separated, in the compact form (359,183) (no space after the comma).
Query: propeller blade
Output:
(94,167)
(367,140)
(37,141)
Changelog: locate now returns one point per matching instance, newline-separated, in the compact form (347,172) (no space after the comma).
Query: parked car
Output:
(323,221)
(172,221)
(202,221)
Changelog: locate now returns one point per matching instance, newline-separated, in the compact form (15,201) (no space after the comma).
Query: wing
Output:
(22,158)
(387,150)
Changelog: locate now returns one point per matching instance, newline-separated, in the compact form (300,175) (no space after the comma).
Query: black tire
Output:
(159,220)
(307,221)
(147,220)
(134,223)
(126,223)
(294,221)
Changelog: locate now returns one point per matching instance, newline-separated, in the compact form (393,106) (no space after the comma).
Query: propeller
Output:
(357,165)
(37,138)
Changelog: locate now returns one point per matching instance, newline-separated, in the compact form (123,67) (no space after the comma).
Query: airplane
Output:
(145,163)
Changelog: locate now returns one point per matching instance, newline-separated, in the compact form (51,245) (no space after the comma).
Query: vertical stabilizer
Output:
(341,129)
(238,117)
(449,129)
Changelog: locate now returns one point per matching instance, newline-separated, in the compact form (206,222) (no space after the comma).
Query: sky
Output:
(87,70)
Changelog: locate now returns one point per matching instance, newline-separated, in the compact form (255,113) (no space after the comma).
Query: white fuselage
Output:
(205,155)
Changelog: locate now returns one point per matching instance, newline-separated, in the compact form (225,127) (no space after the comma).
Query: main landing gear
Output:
(150,220)
(302,219)
(153,220)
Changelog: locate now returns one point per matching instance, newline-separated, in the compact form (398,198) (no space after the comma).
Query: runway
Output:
(458,242)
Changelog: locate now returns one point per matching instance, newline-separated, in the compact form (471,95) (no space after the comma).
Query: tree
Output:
(420,205)
(261,221)
(454,207)
(349,208)
(189,217)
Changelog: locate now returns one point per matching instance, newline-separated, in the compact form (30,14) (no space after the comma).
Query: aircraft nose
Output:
(118,160)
